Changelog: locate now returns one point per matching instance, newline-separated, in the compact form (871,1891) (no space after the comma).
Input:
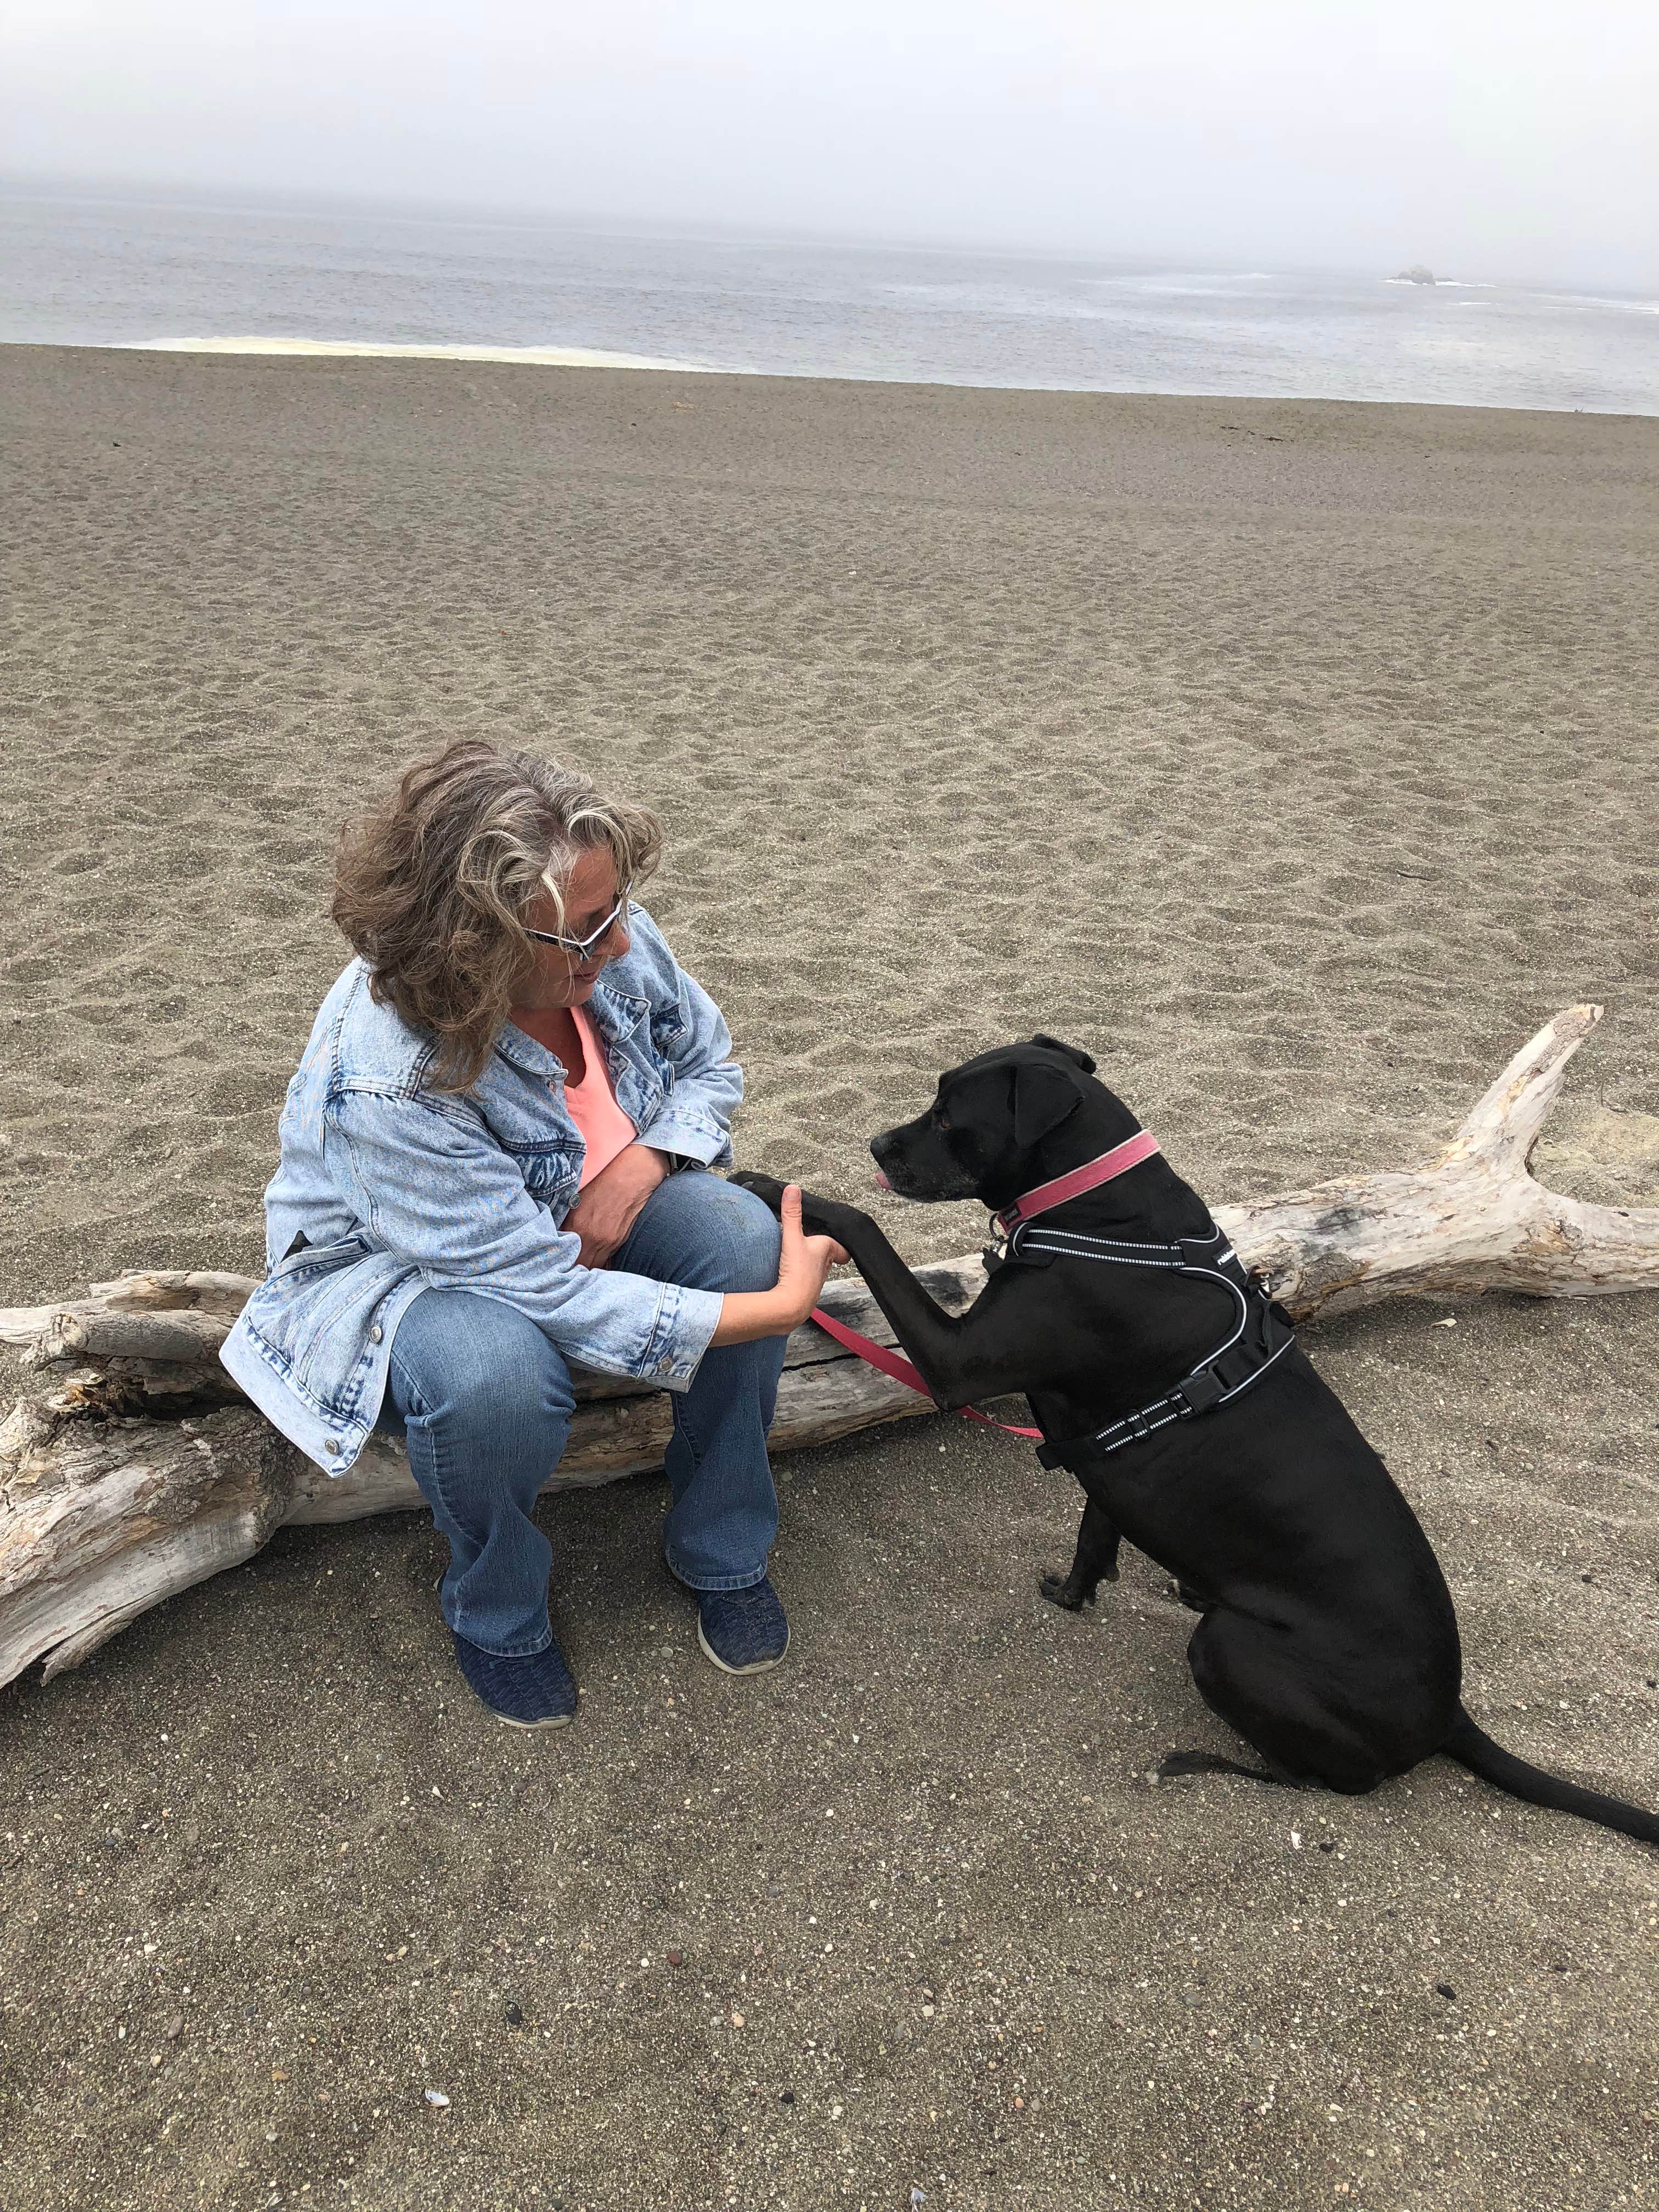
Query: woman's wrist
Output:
(746,1316)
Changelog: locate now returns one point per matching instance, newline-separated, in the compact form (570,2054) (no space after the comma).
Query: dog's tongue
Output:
(882,1182)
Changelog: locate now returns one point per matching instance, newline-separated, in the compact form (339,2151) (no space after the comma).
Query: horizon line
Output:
(286,203)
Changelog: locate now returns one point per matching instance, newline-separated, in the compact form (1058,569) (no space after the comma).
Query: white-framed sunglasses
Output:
(581,949)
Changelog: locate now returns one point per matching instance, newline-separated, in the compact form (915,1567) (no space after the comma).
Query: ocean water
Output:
(91,271)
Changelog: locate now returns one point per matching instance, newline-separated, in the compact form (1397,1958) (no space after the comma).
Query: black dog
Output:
(1328,1640)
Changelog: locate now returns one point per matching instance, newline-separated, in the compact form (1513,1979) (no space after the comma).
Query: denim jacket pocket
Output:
(300,1308)
(548,1176)
(312,1260)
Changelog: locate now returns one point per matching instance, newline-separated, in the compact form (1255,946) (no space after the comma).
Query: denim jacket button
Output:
(332,1446)
(375,1333)
(666,1366)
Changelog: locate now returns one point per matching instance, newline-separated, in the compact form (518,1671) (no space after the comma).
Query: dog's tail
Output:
(1473,1747)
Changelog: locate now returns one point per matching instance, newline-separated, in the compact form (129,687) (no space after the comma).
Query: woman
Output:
(494,1161)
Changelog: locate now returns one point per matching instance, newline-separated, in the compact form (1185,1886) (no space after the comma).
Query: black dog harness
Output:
(1261,1332)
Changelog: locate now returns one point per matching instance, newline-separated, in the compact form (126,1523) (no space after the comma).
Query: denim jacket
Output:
(385,1187)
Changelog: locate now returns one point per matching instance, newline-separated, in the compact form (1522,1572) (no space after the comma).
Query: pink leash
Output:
(896,1364)
(1117,1161)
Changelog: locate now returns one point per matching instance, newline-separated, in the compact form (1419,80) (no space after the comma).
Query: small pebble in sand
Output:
(1445,1990)
(436,2097)
(514,2017)
(677,1958)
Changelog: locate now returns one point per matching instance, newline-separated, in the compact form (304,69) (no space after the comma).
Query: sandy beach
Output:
(1295,758)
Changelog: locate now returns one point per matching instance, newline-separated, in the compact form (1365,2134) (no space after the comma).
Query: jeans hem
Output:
(721,1584)
(530,1651)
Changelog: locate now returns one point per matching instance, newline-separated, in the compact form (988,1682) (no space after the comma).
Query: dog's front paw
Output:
(830,1216)
(820,1217)
(765,1188)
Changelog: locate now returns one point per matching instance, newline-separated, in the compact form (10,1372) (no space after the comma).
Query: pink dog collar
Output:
(1121,1158)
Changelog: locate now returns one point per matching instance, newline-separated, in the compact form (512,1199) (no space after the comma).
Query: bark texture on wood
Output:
(99,1520)
(144,1471)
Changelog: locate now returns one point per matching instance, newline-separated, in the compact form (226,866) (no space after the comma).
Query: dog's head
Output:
(986,1133)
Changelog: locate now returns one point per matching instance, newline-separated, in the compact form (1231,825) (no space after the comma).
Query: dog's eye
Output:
(941,1120)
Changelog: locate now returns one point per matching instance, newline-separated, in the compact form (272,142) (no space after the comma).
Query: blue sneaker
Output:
(742,1631)
(537,1693)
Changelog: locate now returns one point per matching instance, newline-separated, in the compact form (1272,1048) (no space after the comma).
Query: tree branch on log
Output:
(144,1471)
(1473,1220)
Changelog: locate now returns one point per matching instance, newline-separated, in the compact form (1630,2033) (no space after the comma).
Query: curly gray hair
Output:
(431,886)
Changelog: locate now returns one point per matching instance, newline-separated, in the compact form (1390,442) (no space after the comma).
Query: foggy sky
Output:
(1491,140)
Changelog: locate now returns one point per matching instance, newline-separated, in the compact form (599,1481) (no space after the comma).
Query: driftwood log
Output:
(144,1471)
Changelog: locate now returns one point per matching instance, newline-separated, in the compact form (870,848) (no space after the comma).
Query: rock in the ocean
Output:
(1417,274)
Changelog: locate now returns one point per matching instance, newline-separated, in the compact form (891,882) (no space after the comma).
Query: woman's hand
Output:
(608,1207)
(803,1266)
(805,1262)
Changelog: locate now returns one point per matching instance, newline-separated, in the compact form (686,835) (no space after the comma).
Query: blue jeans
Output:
(484,1400)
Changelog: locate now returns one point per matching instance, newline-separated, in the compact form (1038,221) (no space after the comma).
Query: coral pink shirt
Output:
(591,1103)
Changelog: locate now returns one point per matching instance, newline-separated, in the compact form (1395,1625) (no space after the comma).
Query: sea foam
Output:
(528,356)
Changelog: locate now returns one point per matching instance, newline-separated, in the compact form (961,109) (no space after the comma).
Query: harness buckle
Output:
(1012,1251)
(1198,1393)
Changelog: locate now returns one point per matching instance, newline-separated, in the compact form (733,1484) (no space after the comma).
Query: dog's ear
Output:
(1071,1051)
(1043,1096)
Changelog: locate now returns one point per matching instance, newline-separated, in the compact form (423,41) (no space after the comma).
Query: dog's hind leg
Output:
(1093,1562)
(1259,1679)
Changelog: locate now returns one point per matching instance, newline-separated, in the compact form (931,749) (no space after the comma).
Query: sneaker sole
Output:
(553,1721)
(759,1667)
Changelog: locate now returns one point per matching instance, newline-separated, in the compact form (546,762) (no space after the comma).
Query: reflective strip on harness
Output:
(1227,1370)
(1262,1335)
